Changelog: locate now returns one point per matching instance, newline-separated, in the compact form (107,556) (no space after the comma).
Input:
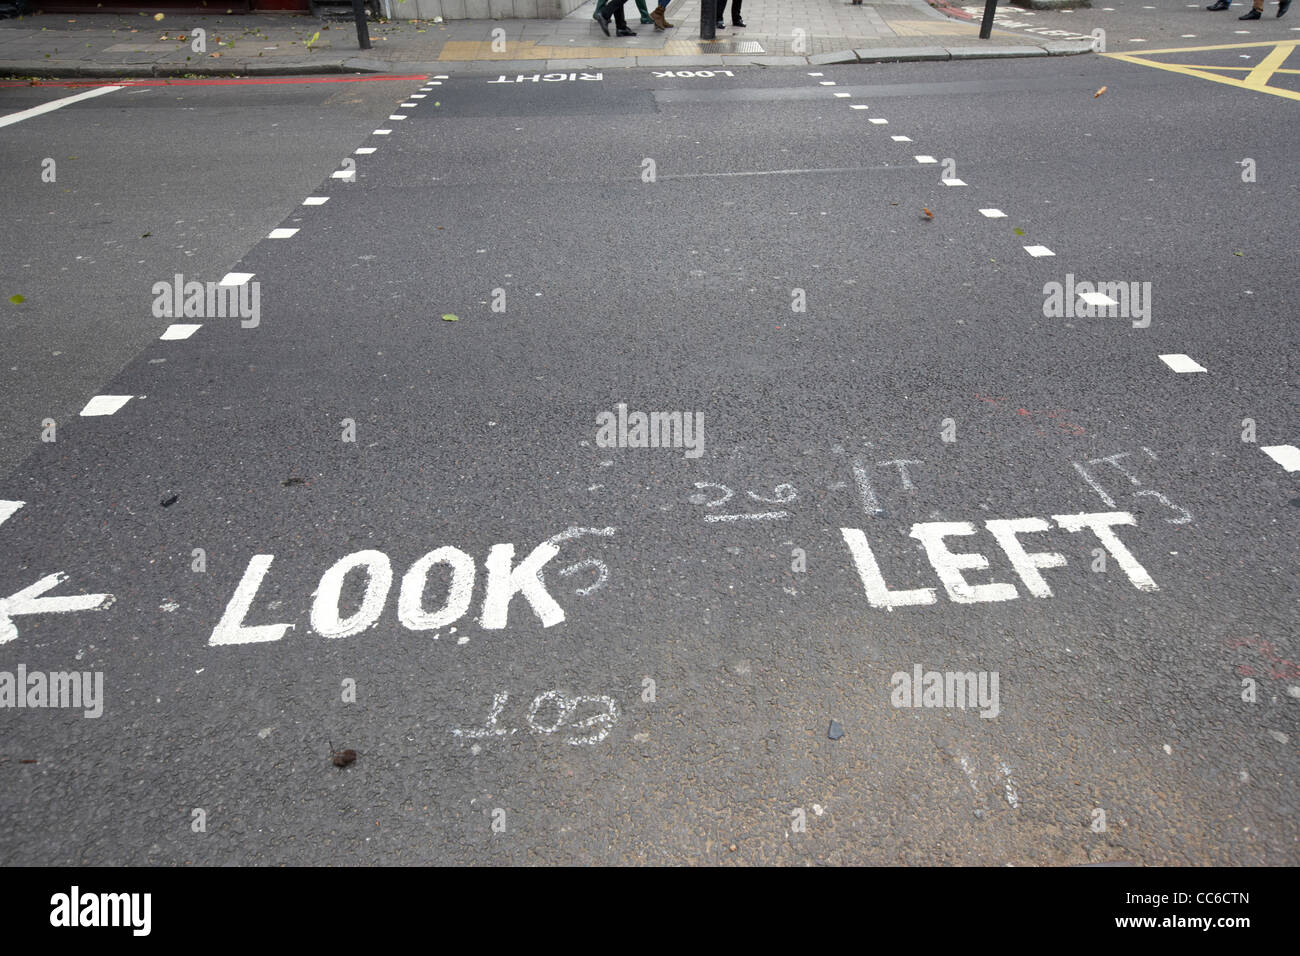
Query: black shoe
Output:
(1220,5)
(1251,15)
(1283,7)
(741,23)
(721,25)
(603,22)
(625,32)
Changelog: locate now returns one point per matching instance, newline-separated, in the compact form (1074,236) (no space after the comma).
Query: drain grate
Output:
(732,46)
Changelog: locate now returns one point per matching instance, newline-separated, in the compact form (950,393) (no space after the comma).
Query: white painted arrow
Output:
(29,600)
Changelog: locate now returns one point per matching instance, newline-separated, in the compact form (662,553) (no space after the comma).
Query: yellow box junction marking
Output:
(1256,77)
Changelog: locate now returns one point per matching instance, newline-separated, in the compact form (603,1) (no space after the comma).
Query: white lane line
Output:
(1097,298)
(7,509)
(901,139)
(993,213)
(925,159)
(408,105)
(365,150)
(841,95)
(953,182)
(441,76)
(827,83)
(436,82)
(418,96)
(54,105)
(1182,363)
(316,200)
(382,132)
(816,74)
(1039,251)
(859,106)
(398,116)
(1288,456)
(236,278)
(282,233)
(179,331)
(105,404)
(879,121)
(344,174)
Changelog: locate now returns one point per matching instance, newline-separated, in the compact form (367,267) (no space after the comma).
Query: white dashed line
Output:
(1288,456)
(827,82)
(879,121)
(816,74)
(365,150)
(316,200)
(925,159)
(841,95)
(993,213)
(344,174)
(282,233)
(397,116)
(1039,251)
(1182,363)
(236,278)
(408,105)
(418,96)
(1097,298)
(901,139)
(953,182)
(859,106)
(382,132)
(105,404)
(441,76)
(175,333)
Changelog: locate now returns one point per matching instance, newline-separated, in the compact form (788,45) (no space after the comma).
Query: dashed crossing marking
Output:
(282,233)
(179,331)
(105,405)
(993,213)
(1288,456)
(1182,363)
(1039,252)
(316,200)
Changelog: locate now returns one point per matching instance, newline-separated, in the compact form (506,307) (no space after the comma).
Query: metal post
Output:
(986,25)
(708,19)
(363,30)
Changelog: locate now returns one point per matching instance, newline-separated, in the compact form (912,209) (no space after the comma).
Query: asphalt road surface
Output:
(383,509)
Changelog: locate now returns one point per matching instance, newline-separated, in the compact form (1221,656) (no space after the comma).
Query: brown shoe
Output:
(657,15)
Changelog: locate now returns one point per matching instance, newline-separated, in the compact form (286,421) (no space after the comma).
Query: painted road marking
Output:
(418,96)
(993,213)
(29,601)
(1039,251)
(365,150)
(382,132)
(1288,456)
(397,116)
(1256,79)
(282,233)
(54,105)
(879,121)
(901,139)
(179,331)
(1182,363)
(410,104)
(105,404)
(841,95)
(236,278)
(859,106)
(925,159)
(344,174)
(316,200)
(953,182)
(1097,298)
(827,82)
(8,508)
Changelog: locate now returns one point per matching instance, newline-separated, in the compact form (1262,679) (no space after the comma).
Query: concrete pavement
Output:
(778,32)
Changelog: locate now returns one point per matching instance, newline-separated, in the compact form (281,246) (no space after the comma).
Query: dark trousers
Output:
(735,10)
(614,7)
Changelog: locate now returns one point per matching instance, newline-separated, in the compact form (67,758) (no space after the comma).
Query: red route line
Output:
(216,81)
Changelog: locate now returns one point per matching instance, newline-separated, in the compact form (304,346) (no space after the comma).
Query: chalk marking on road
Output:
(236,278)
(1107,499)
(179,331)
(316,200)
(282,233)
(1182,363)
(105,404)
(54,105)
(1039,251)
(1288,456)
(993,213)
(761,516)
(29,601)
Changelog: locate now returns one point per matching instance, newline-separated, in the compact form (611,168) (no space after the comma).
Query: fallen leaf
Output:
(20,299)
(158,16)
(1019,232)
(1237,253)
(146,235)
(1099,92)
(928,214)
(450,318)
